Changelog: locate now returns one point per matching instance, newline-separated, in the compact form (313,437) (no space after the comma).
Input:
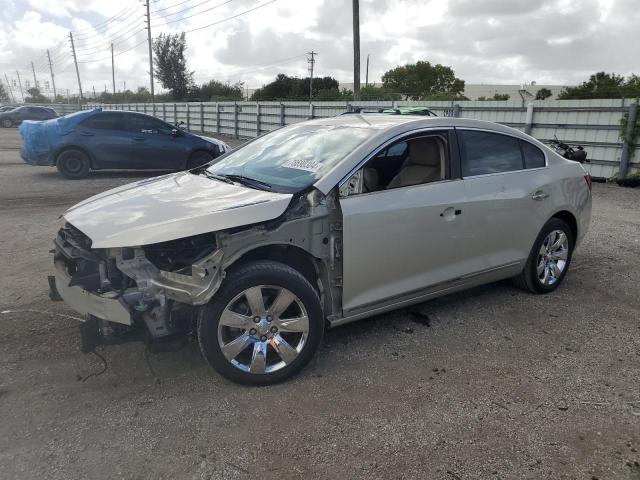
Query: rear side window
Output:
(143,124)
(533,156)
(485,153)
(105,121)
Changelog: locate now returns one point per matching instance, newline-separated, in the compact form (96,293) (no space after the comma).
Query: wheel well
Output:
(570,220)
(290,255)
(61,150)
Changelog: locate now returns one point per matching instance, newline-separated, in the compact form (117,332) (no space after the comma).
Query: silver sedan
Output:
(315,225)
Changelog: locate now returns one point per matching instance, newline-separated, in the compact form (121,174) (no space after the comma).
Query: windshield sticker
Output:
(308,165)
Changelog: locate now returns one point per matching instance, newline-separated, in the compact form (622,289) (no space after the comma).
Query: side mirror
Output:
(175,132)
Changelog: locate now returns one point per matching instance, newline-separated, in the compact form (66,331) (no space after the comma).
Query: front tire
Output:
(263,325)
(549,259)
(73,164)
(7,123)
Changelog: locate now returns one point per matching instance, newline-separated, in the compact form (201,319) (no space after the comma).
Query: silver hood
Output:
(170,207)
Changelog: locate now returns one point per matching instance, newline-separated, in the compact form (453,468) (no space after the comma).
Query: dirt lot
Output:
(500,384)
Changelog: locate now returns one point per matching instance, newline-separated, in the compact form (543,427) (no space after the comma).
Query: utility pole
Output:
(53,81)
(75,60)
(366,78)
(94,92)
(150,49)
(13,99)
(35,80)
(356,49)
(113,72)
(311,61)
(20,85)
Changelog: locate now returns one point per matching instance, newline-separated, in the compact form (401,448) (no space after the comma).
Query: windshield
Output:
(292,158)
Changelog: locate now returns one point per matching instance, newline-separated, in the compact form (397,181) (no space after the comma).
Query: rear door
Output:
(505,181)
(106,137)
(155,143)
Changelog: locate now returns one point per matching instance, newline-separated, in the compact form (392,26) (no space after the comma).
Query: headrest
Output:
(424,151)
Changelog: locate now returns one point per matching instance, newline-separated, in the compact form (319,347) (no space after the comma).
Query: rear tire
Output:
(549,259)
(263,325)
(198,159)
(73,164)
(7,123)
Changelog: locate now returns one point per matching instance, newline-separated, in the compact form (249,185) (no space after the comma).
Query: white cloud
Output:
(501,41)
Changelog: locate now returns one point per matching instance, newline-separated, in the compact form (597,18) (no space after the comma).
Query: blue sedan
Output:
(110,139)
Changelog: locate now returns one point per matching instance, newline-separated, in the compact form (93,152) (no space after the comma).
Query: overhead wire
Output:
(170,6)
(193,14)
(115,54)
(135,23)
(92,31)
(192,7)
(230,18)
(107,44)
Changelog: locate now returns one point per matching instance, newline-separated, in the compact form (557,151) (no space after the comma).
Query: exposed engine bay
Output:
(152,292)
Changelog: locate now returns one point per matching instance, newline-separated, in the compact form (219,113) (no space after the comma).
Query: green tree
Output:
(170,64)
(543,94)
(373,92)
(422,80)
(603,85)
(294,88)
(215,90)
(35,96)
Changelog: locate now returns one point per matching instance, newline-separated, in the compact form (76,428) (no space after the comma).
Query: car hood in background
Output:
(170,207)
(224,147)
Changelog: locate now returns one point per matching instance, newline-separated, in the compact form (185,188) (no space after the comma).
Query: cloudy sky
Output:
(485,41)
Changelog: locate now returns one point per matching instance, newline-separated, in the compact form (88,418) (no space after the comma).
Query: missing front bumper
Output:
(86,303)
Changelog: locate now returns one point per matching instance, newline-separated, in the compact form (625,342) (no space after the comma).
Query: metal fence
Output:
(595,124)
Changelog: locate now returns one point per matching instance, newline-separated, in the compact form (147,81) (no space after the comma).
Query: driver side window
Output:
(404,163)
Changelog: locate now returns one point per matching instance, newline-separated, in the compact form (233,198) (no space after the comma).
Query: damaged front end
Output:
(135,293)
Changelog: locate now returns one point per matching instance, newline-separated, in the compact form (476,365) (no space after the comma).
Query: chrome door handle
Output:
(539,195)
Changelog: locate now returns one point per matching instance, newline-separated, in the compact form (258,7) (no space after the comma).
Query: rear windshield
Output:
(292,158)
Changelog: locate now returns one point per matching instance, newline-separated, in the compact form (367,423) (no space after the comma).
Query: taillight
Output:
(587,178)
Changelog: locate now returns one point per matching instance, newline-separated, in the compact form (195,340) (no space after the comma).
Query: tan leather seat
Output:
(423,165)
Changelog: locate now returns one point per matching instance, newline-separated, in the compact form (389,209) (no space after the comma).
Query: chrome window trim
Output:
(546,158)
(377,150)
(417,185)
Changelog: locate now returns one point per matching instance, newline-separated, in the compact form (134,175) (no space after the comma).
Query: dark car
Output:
(110,139)
(16,116)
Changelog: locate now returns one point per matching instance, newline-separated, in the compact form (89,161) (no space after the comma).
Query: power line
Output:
(115,55)
(105,44)
(126,28)
(170,6)
(194,14)
(230,18)
(103,27)
(191,8)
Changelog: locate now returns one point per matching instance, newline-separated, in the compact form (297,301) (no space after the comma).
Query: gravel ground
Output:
(499,384)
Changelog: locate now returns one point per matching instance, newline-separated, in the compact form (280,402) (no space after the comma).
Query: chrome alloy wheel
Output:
(263,329)
(552,257)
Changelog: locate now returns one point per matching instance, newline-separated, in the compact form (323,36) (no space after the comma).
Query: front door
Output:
(404,231)
(155,144)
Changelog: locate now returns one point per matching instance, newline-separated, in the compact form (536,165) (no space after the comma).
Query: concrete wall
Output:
(595,124)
